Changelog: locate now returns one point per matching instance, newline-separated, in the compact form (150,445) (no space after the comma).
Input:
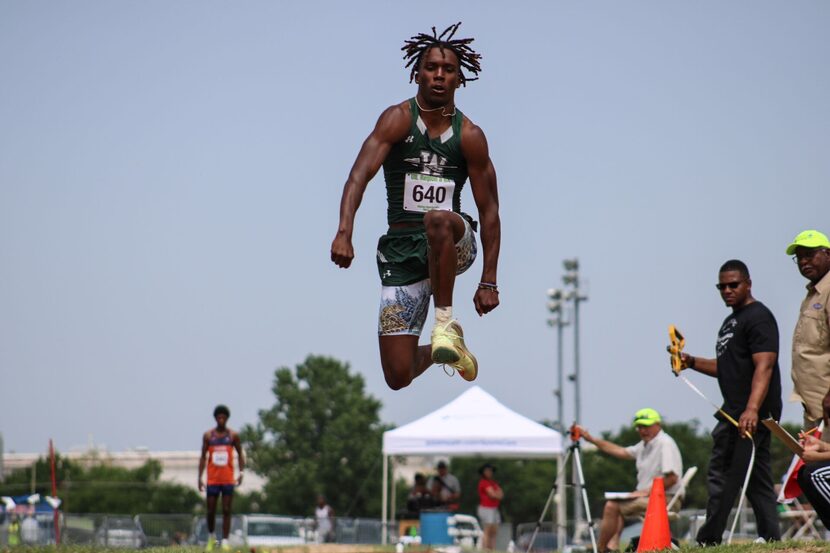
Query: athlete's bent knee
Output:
(396,380)
(396,375)
(438,223)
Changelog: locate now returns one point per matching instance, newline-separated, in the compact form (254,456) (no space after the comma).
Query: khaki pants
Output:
(635,508)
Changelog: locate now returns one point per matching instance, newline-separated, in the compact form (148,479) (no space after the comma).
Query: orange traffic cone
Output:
(656,533)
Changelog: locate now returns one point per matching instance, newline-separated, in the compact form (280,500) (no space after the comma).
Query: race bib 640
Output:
(423,193)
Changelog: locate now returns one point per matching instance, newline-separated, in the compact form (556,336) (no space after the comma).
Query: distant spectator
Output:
(14,531)
(324,519)
(419,497)
(29,530)
(490,495)
(444,487)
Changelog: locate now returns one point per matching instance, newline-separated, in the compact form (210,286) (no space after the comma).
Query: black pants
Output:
(727,470)
(814,479)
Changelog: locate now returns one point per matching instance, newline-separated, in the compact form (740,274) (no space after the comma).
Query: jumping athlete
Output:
(217,451)
(427,148)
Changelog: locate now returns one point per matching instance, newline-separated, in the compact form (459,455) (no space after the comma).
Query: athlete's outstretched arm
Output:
(485,192)
(391,127)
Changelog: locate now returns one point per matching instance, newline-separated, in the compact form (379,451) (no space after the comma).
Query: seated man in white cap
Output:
(656,455)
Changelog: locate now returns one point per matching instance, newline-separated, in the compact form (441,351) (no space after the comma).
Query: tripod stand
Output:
(572,454)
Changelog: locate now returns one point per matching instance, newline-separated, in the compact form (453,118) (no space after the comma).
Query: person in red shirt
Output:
(217,453)
(490,495)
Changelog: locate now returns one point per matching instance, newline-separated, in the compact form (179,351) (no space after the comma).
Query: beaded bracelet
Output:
(488,286)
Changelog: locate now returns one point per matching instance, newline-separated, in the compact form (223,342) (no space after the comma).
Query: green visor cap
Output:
(646,417)
(808,239)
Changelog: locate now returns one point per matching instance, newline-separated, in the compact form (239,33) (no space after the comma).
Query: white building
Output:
(180,467)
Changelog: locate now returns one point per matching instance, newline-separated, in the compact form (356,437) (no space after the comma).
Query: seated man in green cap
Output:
(656,455)
(811,339)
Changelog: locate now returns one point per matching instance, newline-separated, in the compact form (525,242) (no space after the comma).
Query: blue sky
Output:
(170,175)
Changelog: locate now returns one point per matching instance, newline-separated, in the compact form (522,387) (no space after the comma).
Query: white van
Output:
(266,531)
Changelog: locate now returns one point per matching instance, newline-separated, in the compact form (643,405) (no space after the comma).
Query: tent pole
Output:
(392,500)
(383,501)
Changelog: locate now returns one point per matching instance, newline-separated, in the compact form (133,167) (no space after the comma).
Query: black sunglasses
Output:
(731,285)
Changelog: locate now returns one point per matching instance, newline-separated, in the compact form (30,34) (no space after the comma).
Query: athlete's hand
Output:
(239,480)
(485,300)
(342,251)
(201,485)
(748,421)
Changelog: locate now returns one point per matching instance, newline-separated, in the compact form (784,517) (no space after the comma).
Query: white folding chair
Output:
(802,522)
(684,483)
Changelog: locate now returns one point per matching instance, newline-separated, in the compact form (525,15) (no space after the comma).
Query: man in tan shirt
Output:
(811,340)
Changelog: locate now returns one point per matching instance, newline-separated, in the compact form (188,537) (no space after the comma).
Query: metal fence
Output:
(148,530)
(164,530)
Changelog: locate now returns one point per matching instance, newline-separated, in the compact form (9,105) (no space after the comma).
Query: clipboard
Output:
(780,433)
(619,495)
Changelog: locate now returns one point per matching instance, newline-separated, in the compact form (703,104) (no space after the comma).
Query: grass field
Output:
(788,547)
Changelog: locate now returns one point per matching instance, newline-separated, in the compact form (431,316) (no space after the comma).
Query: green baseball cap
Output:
(646,417)
(808,239)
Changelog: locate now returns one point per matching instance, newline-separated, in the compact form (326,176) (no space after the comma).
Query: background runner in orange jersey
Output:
(217,452)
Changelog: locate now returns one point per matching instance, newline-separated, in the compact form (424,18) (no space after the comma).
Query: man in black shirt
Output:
(748,376)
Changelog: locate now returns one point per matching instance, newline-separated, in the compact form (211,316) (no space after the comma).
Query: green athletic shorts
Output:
(402,254)
(404,273)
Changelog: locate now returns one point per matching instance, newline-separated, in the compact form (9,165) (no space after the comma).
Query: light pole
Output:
(556,298)
(571,279)
(574,294)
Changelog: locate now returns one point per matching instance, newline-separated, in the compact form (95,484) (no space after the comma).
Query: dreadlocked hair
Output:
(415,48)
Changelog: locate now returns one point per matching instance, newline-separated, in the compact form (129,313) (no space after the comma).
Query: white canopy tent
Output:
(473,424)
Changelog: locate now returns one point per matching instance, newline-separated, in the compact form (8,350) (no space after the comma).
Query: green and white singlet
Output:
(421,174)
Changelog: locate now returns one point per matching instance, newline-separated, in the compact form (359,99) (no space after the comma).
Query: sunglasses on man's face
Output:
(731,285)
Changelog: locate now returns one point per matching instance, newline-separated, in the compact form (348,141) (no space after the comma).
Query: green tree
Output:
(20,481)
(323,435)
(251,502)
(107,489)
(102,488)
